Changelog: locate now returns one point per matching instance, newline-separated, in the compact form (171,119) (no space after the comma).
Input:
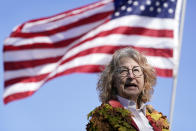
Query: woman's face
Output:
(129,79)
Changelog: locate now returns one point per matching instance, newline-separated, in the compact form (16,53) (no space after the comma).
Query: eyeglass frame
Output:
(128,71)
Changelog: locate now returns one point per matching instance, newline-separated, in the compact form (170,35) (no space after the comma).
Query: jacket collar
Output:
(131,104)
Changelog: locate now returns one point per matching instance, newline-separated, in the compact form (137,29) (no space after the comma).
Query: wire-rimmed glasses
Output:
(137,71)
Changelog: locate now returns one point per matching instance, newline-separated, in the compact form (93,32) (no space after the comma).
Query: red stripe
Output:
(17,96)
(84,21)
(143,31)
(25,79)
(29,63)
(164,72)
(167,53)
(118,30)
(101,49)
(80,69)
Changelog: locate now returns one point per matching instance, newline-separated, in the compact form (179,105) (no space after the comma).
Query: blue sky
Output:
(63,103)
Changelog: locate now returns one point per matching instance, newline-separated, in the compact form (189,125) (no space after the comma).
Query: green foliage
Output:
(107,118)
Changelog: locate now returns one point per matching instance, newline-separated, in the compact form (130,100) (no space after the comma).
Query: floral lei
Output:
(157,118)
(107,118)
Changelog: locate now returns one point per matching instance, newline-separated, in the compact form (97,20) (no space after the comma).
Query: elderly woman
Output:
(124,87)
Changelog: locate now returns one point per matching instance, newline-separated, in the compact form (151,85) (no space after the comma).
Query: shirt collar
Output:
(131,104)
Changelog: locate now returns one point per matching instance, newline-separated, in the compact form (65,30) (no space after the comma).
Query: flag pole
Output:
(177,64)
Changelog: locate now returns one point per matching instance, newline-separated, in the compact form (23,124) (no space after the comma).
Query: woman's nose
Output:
(130,74)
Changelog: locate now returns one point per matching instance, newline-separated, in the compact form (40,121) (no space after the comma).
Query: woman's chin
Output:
(132,92)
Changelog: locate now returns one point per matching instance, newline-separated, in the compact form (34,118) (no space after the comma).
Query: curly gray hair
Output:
(105,85)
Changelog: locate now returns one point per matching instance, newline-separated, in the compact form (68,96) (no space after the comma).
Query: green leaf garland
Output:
(107,118)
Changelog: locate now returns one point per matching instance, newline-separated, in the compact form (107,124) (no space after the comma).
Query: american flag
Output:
(84,39)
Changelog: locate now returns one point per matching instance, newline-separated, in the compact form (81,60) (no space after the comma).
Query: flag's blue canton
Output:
(151,8)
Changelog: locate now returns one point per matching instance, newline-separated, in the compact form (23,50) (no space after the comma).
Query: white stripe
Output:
(160,62)
(142,21)
(32,27)
(94,59)
(21,87)
(71,33)
(30,54)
